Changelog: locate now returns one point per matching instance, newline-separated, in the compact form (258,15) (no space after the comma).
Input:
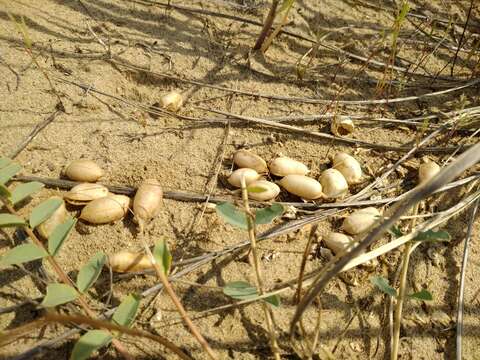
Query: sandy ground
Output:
(71,40)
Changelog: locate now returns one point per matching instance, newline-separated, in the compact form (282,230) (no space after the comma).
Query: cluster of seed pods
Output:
(333,183)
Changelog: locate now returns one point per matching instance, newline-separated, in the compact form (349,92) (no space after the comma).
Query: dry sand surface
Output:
(106,60)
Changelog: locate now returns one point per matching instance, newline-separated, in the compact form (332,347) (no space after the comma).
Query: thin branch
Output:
(461,37)
(267,25)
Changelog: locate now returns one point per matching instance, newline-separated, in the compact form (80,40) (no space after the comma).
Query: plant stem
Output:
(266,26)
(256,266)
(66,280)
(168,287)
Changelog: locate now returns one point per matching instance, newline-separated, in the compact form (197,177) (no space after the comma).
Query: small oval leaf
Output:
(9,171)
(127,310)
(43,211)
(382,284)
(89,342)
(90,272)
(59,234)
(267,215)
(232,215)
(58,294)
(423,295)
(21,254)
(162,255)
(240,290)
(431,235)
(23,191)
(5,192)
(273,300)
(9,220)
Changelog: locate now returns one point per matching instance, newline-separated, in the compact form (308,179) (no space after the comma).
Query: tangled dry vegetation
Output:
(239,179)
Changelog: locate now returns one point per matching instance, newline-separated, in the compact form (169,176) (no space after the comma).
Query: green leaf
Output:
(266,215)
(23,191)
(58,294)
(423,295)
(127,310)
(90,272)
(395,231)
(273,300)
(9,171)
(5,192)
(240,290)
(21,254)
(44,210)
(9,220)
(382,284)
(89,342)
(162,255)
(59,234)
(4,162)
(232,215)
(256,189)
(431,235)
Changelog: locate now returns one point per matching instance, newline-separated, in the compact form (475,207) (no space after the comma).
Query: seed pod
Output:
(105,210)
(427,171)
(172,101)
(247,159)
(81,194)
(333,183)
(342,125)
(337,242)
(58,217)
(271,190)
(283,166)
(302,186)
(127,261)
(360,221)
(235,178)
(147,202)
(84,171)
(348,166)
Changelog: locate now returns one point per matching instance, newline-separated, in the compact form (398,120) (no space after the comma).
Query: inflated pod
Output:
(361,220)
(105,210)
(247,159)
(127,261)
(171,101)
(303,186)
(58,217)
(83,170)
(342,125)
(349,167)
(147,202)
(84,193)
(271,190)
(333,183)
(337,242)
(427,171)
(283,166)
(235,177)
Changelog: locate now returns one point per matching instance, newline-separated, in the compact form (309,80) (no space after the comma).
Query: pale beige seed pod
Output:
(333,183)
(58,217)
(337,242)
(427,171)
(147,202)
(83,170)
(348,166)
(83,193)
(171,101)
(105,210)
(361,220)
(247,159)
(342,125)
(271,190)
(283,166)
(128,261)
(303,186)
(250,176)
